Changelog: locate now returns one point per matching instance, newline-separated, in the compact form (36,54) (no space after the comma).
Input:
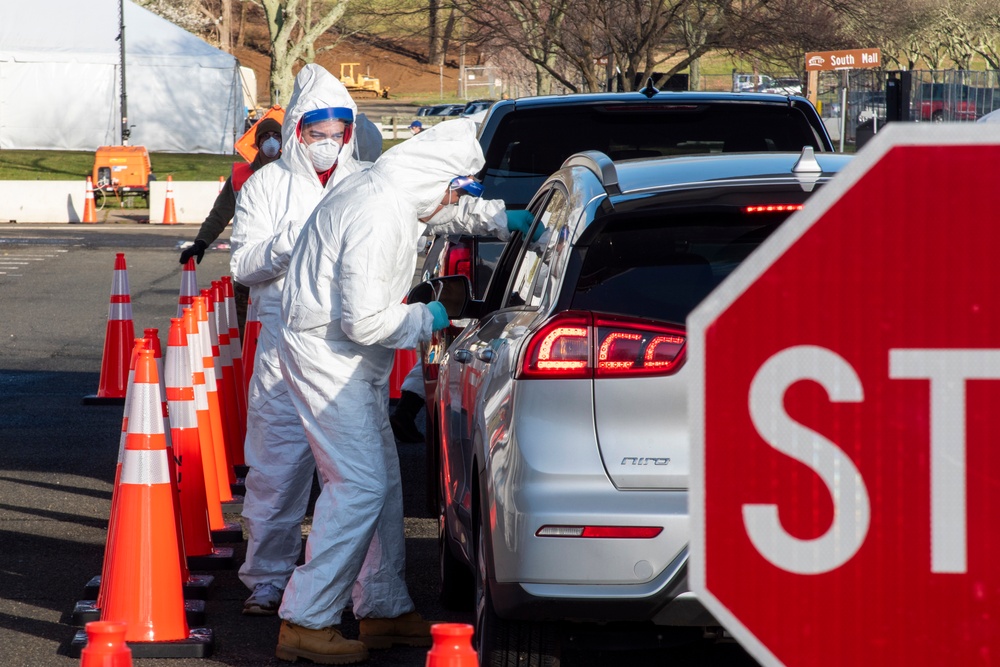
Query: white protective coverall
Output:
(271,209)
(343,317)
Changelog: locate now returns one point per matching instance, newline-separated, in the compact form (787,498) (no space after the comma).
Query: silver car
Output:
(563,404)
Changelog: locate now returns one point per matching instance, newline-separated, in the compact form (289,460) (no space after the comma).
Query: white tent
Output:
(60,80)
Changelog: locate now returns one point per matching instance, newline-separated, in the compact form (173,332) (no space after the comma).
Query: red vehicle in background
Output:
(939,102)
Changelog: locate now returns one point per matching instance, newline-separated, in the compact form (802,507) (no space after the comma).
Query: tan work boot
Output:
(325,647)
(409,630)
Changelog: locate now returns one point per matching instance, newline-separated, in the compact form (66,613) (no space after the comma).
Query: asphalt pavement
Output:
(58,456)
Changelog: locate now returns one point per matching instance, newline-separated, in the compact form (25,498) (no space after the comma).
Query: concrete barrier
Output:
(42,201)
(192,200)
(63,201)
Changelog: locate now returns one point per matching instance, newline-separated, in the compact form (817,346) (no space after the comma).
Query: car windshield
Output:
(531,144)
(662,267)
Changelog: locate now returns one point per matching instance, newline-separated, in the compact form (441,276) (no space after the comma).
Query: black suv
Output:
(526,140)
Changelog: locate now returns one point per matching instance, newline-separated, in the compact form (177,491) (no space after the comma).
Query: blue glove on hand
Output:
(519,221)
(440,315)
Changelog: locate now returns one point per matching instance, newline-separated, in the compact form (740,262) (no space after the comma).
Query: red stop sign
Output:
(845,415)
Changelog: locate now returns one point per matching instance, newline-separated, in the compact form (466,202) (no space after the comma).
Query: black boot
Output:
(403,418)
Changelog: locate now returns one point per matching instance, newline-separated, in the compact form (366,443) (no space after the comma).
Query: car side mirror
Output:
(454,293)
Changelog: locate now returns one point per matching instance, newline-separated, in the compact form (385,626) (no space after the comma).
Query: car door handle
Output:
(463,356)
(485,354)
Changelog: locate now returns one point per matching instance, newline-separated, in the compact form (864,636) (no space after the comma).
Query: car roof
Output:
(664,173)
(660,97)
(641,183)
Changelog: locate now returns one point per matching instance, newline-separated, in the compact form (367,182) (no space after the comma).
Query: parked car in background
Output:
(446,110)
(526,140)
(561,408)
(939,102)
(784,86)
(865,106)
(750,83)
(475,106)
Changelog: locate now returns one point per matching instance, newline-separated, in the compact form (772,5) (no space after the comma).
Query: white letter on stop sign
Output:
(947,371)
(851,507)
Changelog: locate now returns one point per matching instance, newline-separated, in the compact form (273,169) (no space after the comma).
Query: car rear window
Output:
(661,268)
(529,145)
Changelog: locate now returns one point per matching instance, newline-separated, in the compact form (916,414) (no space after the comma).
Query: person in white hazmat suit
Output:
(317,153)
(343,318)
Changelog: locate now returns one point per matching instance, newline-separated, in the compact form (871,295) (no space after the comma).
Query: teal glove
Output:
(440,315)
(519,221)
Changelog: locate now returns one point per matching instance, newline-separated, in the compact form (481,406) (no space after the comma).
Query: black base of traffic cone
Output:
(85,611)
(195,588)
(233,532)
(199,644)
(234,506)
(94,399)
(221,558)
(239,488)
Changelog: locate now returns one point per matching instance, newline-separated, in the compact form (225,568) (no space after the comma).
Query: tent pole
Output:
(121,39)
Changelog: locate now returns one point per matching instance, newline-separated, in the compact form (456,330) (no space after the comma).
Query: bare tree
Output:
(983,20)
(529,27)
(294,26)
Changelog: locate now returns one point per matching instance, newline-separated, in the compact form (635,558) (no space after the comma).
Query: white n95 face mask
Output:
(323,154)
(270,147)
(444,216)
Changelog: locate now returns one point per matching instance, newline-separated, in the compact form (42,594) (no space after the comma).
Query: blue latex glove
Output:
(519,221)
(440,315)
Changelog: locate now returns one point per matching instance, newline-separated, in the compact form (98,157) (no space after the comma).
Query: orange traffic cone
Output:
(204,419)
(452,646)
(189,287)
(236,352)
(227,385)
(117,342)
(222,183)
(140,344)
(106,646)
(169,212)
(251,331)
(199,549)
(221,530)
(145,587)
(403,362)
(152,338)
(89,209)
(195,586)
(213,376)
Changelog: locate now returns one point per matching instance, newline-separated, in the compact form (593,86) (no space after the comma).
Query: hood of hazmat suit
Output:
(368,139)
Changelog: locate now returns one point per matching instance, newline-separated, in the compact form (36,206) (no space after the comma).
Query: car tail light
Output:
(458,260)
(601,532)
(773,208)
(580,345)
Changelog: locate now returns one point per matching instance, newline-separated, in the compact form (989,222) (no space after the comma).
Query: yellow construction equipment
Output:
(360,86)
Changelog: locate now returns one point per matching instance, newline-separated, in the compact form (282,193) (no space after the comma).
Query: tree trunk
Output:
(226,27)
(449,29)
(694,80)
(435,55)
(243,24)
